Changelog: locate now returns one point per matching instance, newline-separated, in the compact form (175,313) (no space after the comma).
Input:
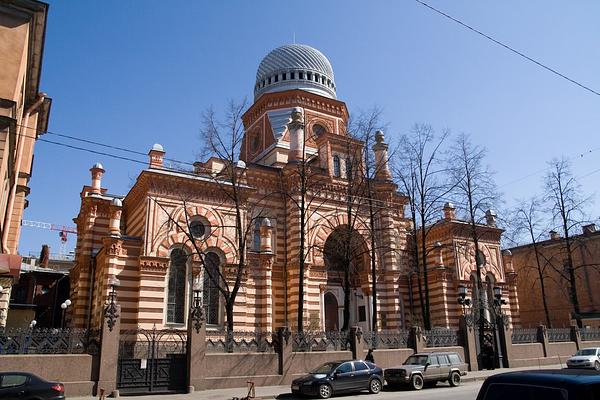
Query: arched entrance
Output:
(346,258)
(332,321)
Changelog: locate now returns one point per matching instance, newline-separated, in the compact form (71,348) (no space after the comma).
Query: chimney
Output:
(588,229)
(380,148)
(97,171)
(44,256)
(296,128)
(554,235)
(156,154)
(449,212)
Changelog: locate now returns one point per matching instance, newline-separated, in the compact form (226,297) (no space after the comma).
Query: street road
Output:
(443,391)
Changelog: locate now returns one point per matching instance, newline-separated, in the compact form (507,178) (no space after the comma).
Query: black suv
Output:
(551,384)
(427,368)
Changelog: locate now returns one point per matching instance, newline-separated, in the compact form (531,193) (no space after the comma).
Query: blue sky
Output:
(134,73)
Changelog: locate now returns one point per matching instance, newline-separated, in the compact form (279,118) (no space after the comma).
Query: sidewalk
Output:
(271,392)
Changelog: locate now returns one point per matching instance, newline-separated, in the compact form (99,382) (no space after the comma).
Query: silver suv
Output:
(427,368)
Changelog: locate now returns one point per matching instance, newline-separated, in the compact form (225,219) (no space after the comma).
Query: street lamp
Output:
(64,307)
(197,310)
(111,312)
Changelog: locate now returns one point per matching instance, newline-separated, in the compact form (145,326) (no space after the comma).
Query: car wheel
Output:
(416,382)
(325,391)
(375,386)
(454,379)
(597,365)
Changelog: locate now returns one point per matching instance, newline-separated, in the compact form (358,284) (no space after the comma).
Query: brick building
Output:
(295,118)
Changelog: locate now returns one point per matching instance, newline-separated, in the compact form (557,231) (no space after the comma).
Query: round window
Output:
(318,130)
(197,229)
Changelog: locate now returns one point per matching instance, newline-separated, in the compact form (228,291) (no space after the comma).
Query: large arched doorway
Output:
(332,321)
(346,258)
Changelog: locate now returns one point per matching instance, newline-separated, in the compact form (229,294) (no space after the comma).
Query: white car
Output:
(585,358)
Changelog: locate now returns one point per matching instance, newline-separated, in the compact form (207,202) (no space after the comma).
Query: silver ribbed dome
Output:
(295,66)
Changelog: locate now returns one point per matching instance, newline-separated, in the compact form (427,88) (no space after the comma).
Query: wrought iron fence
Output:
(320,341)
(152,343)
(524,335)
(49,341)
(239,342)
(559,334)
(590,334)
(441,337)
(387,339)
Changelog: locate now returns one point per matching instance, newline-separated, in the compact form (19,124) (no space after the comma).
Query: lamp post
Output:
(64,307)
(197,310)
(111,312)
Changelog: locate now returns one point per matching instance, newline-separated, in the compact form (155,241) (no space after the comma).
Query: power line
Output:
(538,63)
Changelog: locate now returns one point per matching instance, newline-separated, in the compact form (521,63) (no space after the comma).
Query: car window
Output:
(454,358)
(433,360)
(443,359)
(13,380)
(370,364)
(360,366)
(416,360)
(503,391)
(345,367)
(586,352)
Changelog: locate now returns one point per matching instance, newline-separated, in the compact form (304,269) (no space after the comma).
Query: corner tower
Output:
(293,76)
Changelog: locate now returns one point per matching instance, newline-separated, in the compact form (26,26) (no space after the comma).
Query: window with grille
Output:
(176,287)
(210,292)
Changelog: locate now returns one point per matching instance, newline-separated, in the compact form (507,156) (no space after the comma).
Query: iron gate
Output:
(152,361)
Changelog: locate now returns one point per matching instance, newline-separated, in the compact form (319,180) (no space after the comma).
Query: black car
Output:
(551,384)
(340,377)
(23,385)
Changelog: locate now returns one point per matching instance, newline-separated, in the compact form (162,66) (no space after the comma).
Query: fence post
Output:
(356,342)
(576,336)
(542,336)
(284,349)
(416,339)
(467,334)
(196,355)
(505,345)
(109,352)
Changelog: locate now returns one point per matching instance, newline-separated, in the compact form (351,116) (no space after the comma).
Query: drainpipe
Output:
(13,190)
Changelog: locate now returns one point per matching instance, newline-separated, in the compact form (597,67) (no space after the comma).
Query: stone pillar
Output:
(156,155)
(114,223)
(5,289)
(196,356)
(380,148)
(109,354)
(490,218)
(296,129)
(542,336)
(266,233)
(576,336)
(357,344)
(416,339)
(467,334)
(506,346)
(97,171)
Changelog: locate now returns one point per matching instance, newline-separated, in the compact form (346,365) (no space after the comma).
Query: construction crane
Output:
(62,230)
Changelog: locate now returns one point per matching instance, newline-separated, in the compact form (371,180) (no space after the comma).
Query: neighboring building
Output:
(552,255)
(23,117)
(37,295)
(130,236)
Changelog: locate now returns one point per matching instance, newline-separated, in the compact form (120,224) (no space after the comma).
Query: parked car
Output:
(585,358)
(340,377)
(427,368)
(23,385)
(558,384)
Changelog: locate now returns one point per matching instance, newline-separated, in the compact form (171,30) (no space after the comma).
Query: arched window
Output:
(336,166)
(348,168)
(176,287)
(210,292)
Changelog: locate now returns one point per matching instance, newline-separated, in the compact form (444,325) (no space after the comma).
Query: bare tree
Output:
(563,194)
(476,192)
(528,221)
(420,171)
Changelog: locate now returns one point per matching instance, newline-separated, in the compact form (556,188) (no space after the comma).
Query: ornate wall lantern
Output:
(111,312)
